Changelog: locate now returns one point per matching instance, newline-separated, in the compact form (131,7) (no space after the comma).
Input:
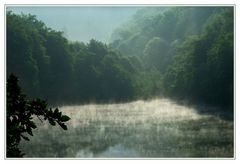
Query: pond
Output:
(140,129)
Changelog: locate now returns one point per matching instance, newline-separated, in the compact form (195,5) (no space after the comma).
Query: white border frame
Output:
(143,3)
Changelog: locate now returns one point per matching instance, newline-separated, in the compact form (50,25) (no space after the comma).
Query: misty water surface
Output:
(156,128)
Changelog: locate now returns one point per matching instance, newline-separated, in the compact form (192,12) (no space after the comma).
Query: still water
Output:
(141,129)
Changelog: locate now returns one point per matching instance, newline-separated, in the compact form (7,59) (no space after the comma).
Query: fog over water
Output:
(114,73)
(155,128)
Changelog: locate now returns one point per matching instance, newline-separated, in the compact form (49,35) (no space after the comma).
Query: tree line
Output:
(60,71)
(191,48)
(178,52)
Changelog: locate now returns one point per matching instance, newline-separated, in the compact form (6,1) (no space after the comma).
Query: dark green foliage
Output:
(62,71)
(101,76)
(59,75)
(169,24)
(184,53)
(191,47)
(20,58)
(202,69)
(180,52)
(20,114)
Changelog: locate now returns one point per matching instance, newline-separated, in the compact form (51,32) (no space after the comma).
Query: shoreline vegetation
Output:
(179,57)
(154,54)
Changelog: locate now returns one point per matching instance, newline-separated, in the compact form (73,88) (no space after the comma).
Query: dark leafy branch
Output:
(176,53)
(20,114)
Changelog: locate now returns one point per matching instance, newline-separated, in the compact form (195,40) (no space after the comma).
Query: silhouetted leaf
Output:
(63,126)
(24,137)
(29,131)
(52,122)
(32,124)
(65,118)
(56,112)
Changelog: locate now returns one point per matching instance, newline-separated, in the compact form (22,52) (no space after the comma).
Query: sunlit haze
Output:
(81,23)
(120,81)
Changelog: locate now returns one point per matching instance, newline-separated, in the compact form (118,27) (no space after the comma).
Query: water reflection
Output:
(158,128)
(118,151)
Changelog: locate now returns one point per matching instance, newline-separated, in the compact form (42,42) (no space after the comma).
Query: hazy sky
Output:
(81,23)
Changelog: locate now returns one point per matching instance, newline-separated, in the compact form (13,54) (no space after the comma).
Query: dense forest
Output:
(184,53)
(191,48)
